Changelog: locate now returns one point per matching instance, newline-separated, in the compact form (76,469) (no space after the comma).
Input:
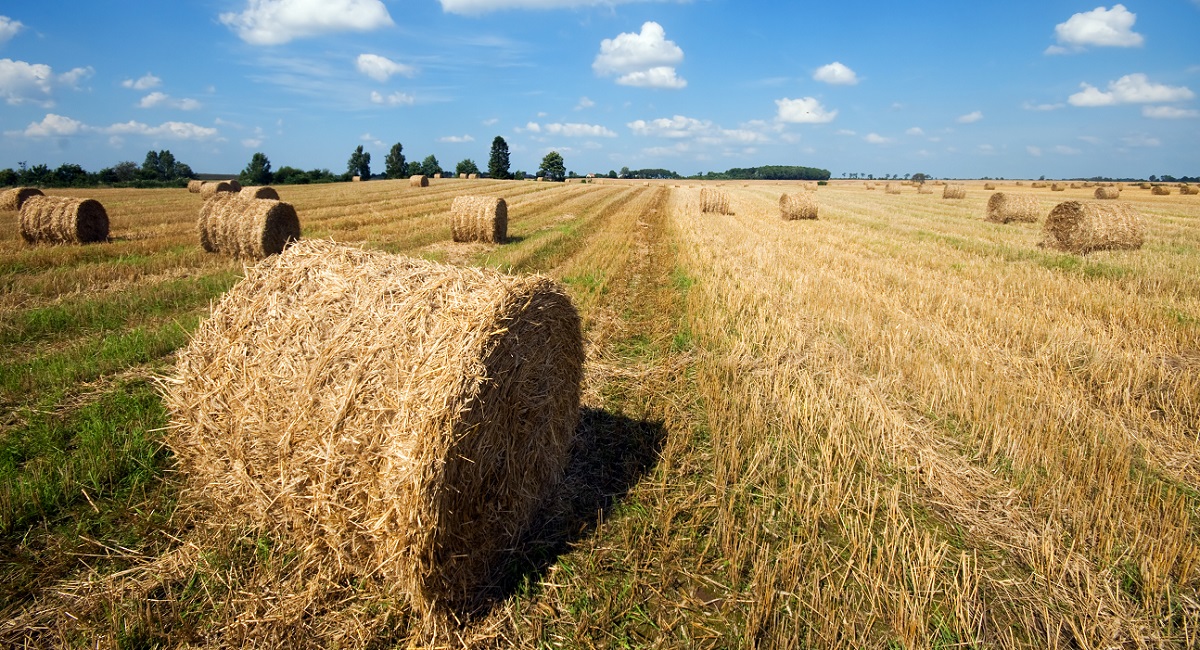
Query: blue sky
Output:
(953,89)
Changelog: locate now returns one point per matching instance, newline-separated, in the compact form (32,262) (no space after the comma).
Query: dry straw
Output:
(801,205)
(891,188)
(1145,186)
(989,186)
(479,218)
(194,186)
(1004,207)
(1160,190)
(246,228)
(259,192)
(472,177)
(869,186)
(1085,226)
(63,220)
(1189,189)
(418,180)
(1058,187)
(1107,193)
(12,200)
(953,191)
(382,416)
(211,188)
(1037,185)
(714,200)
(922,189)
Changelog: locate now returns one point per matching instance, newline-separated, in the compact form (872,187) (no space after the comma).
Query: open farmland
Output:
(898,424)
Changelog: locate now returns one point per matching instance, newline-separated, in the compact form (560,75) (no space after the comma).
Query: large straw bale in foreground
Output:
(63,220)
(1086,226)
(259,192)
(12,200)
(246,228)
(801,205)
(1107,193)
(1004,207)
(714,200)
(387,416)
(953,191)
(479,218)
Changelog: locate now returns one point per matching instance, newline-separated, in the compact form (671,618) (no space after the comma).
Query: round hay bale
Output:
(1107,193)
(1160,190)
(63,220)
(12,200)
(437,175)
(952,191)
(714,200)
(1086,226)
(194,186)
(1058,187)
(1004,207)
(1037,185)
(259,192)
(869,186)
(1189,189)
(891,188)
(479,218)
(462,177)
(246,228)
(472,177)
(989,186)
(387,416)
(418,180)
(1145,186)
(209,188)
(801,205)
(922,189)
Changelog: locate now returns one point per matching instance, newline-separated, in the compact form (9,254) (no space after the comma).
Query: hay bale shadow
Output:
(610,455)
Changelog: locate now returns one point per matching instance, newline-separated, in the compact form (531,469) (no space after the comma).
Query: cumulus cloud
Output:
(571,130)
(1099,27)
(35,83)
(273,22)
(837,74)
(875,138)
(1169,112)
(584,102)
(476,7)
(1141,140)
(646,59)
(395,99)
(53,125)
(158,99)
(806,110)
(9,28)
(380,68)
(916,130)
(1131,89)
(680,127)
(145,82)
(456,139)
(970,118)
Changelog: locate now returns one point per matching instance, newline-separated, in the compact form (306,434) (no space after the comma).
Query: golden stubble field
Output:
(897,425)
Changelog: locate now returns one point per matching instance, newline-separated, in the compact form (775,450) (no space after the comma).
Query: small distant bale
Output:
(1189,189)
(437,175)
(1004,207)
(869,186)
(210,188)
(1160,190)
(259,192)
(989,186)
(714,201)
(472,177)
(1058,187)
(953,191)
(381,415)
(194,186)
(356,179)
(1107,193)
(246,228)
(891,188)
(418,180)
(801,205)
(479,218)
(1020,183)
(923,189)
(1086,226)
(12,200)
(1076,186)
(63,220)
(1145,186)
(1037,185)
(462,177)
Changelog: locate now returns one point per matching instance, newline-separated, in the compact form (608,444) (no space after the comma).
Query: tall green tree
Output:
(430,166)
(359,164)
(553,167)
(498,161)
(258,172)
(150,166)
(466,166)
(394,165)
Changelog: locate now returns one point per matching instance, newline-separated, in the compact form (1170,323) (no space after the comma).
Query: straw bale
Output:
(922,189)
(194,186)
(1037,185)
(356,179)
(1145,186)
(989,186)
(1107,193)
(1086,226)
(462,177)
(479,218)
(801,205)
(63,220)
(259,192)
(418,180)
(210,188)
(1076,186)
(1160,190)
(714,200)
(891,188)
(12,200)
(1004,207)
(1058,187)
(472,177)
(869,186)
(384,417)
(953,191)
(1189,189)
(246,228)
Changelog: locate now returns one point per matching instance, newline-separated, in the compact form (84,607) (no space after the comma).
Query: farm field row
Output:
(897,424)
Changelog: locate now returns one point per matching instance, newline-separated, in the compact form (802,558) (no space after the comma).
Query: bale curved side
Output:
(952,191)
(418,180)
(714,200)
(1107,193)
(479,218)
(259,192)
(12,200)
(1004,207)
(801,205)
(385,415)
(246,228)
(63,220)
(1086,226)
(193,186)
(209,188)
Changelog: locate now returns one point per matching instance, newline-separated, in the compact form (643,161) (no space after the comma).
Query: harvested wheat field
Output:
(899,425)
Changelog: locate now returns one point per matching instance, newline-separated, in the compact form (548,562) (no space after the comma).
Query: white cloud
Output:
(156,99)
(837,74)
(35,83)
(1034,151)
(58,125)
(680,127)
(395,99)
(145,82)
(380,68)
(645,60)
(875,138)
(252,143)
(53,125)
(1141,140)
(847,132)
(571,130)
(916,130)
(806,110)
(1131,89)
(476,7)
(9,28)
(970,118)
(491,121)
(1030,106)
(273,22)
(1090,139)
(584,102)
(1168,112)
(1099,27)
(986,149)
(456,139)
(1064,150)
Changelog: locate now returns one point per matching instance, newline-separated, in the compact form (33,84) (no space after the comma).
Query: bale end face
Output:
(259,192)
(12,199)
(418,180)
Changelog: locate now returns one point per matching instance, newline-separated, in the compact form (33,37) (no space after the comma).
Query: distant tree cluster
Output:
(160,169)
(771,173)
